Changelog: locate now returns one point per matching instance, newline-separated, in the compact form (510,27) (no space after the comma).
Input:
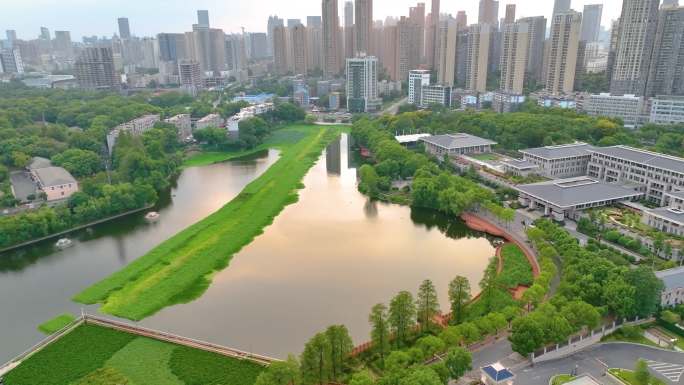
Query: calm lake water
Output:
(325,260)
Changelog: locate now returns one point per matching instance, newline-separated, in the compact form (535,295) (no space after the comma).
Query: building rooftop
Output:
(654,159)
(671,214)
(566,193)
(460,140)
(38,162)
(673,278)
(497,372)
(403,139)
(520,164)
(561,151)
(54,176)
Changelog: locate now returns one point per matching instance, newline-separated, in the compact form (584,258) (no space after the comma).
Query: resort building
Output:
(135,127)
(563,161)
(566,198)
(457,144)
(673,279)
(657,174)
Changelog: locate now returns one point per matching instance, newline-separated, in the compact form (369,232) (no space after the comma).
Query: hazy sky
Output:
(148,17)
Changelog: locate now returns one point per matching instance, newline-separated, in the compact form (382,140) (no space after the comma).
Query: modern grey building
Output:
(562,161)
(669,219)
(457,144)
(362,84)
(95,70)
(667,110)
(566,198)
(435,94)
(656,174)
(124,28)
(673,279)
(629,108)
(591,22)
(666,71)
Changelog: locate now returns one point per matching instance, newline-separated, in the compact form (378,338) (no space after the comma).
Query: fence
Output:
(582,341)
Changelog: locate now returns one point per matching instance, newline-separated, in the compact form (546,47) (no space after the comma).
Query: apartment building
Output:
(211,120)
(183,124)
(417,80)
(657,174)
(562,161)
(563,52)
(135,127)
(477,59)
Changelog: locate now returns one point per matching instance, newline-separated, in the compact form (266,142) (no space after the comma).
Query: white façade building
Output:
(667,109)
(673,279)
(457,144)
(658,174)
(566,198)
(417,80)
(135,127)
(669,219)
(562,161)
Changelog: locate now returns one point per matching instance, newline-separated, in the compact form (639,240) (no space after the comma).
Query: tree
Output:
(380,331)
(430,345)
(421,376)
(458,362)
(648,289)
(340,346)
(670,317)
(526,335)
(402,316)
(497,321)
(534,295)
(580,314)
(427,303)
(619,297)
(80,163)
(641,374)
(363,377)
(315,360)
(459,296)
(281,373)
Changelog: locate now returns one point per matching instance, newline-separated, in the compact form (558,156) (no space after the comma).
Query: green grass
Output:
(619,336)
(628,377)
(94,355)
(146,361)
(484,157)
(179,270)
(561,379)
(56,324)
(516,268)
(197,367)
(70,358)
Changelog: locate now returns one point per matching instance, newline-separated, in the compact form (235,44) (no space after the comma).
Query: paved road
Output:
(394,108)
(667,365)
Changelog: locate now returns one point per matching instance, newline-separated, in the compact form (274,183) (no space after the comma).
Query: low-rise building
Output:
(457,144)
(334,101)
(658,174)
(233,123)
(211,120)
(507,102)
(435,94)
(520,167)
(669,219)
(673,280)
(562,161)
(566,198)
(135,127)
(629,108)
(56,182)
(183,124)
(667,109)
(416,81)
(496,374)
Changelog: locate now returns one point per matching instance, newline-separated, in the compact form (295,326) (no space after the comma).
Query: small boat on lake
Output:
(64,243)
(152,216)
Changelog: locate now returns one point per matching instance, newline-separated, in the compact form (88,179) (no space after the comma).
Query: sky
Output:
(149,17)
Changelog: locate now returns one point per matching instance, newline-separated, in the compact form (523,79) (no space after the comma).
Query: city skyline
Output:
(84,18)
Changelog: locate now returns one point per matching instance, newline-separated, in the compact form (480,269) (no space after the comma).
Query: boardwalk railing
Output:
(140,331)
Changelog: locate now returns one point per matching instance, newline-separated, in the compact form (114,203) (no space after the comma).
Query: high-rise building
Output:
(203,18)
(258,42)
(489,12)
(11,61)
(447,44)
(461,20)
(273,21)
(638,24)
(348,29)
(171,46)
(331,39)
(510,14)
(407,48)
(300,50)
(313,22)
(280,49)
(612,47)
(62,44)
(291,23)
(124,28)
(591,22)
(666,75)
(363,26)
(535,48)
(417,17)
(671,2)
(11,36)
(94,69)
(45,34)
(560,6)
(190,75)
(362,84)
(432,35)
(315,40)
(563,50)
(236,52)
(477,59)
(514,54)
(416,81)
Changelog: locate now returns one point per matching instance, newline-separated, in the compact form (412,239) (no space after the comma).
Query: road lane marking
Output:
(672,372)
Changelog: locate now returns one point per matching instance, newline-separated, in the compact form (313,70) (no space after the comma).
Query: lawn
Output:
(628,377)
(561,379)
(179,270)
(485,157)
(634,335)
(516,268)
(56,324)
(94,355)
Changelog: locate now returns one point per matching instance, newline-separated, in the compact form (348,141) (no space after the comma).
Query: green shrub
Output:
(198,367)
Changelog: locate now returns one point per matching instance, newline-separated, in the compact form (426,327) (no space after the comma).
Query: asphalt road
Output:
(667,365)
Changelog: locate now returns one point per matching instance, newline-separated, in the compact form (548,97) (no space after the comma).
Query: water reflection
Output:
(326,260)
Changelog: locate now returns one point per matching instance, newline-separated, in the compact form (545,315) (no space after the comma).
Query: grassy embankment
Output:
(516,268)
(96,355)
(56,324)
(180,269)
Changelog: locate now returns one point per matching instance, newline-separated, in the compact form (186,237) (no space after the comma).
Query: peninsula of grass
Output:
(516,268)
(180,269)
(211,157)
(95,355)
(56,324)
(627,376)
(562,379)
